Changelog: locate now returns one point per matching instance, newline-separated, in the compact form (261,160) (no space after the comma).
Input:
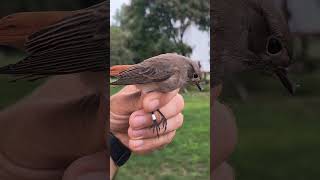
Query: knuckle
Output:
(140,152)
(154,143)
(130,133)
(167,140)
(180,102)
(169,137)
(179,120)
(133,146)
(172,135)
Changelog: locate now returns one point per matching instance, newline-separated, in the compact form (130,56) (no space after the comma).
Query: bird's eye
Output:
(195,76)
(274,46)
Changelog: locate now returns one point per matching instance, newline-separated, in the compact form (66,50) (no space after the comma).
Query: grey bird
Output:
(249,35)
(162,73)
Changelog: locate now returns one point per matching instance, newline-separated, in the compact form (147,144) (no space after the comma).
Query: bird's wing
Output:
(15,28)
(117,69)
(146,72)
(77,43)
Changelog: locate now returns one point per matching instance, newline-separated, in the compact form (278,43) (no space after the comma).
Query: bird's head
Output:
(194,73)
(191,67)
(270,40)
(278,56)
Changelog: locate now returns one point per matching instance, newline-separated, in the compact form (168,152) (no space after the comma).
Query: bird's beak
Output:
(199,86)
(282,74)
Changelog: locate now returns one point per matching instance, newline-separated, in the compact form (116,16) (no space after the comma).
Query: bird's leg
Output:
(155,125)
(163,120)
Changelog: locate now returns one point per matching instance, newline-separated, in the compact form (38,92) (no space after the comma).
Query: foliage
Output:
(120,54)
(159,26)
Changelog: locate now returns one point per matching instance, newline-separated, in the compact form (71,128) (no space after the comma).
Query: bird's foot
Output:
(157,126)
(163,121)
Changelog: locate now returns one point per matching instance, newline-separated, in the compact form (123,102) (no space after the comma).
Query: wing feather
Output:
(75,44)
(145,72)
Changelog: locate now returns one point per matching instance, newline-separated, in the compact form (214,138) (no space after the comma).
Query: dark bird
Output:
(249,35)
(163,73)
(73,42)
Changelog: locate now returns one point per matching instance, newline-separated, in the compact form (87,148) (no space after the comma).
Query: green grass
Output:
(279,134)
(187,157)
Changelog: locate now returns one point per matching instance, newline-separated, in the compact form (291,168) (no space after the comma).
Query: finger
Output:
(223,172)
(126,101)
(174,123)
(224,136)
(148,145)
(88,167)
(141,119)
(216,91)
(154,100)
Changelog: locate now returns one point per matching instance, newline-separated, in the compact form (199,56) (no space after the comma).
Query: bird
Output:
(162,73)
(69,42)
(255,36)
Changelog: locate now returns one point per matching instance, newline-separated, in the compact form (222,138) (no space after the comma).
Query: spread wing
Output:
(77,43)
(145,72)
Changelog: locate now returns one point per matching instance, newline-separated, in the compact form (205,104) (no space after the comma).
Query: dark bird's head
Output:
(278,54)
(188,69)
(270,40)
(194,73)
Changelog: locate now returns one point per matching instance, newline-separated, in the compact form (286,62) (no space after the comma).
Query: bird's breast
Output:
(149,87)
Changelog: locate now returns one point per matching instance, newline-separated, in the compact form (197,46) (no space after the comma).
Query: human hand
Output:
(223,137)
(130,118)
(60,140)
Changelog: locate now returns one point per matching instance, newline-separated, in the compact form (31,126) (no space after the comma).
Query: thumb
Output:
(126,101)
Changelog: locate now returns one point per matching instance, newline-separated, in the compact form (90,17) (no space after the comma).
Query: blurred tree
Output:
(120,54)
(157,26)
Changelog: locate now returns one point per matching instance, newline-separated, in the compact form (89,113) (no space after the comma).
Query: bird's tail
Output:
(117,69)
(15,28)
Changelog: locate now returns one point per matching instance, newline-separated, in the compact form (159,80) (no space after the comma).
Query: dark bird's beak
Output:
(282,74)
(199,86)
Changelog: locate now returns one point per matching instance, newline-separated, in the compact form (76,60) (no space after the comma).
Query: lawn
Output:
(279,134)
(187,157)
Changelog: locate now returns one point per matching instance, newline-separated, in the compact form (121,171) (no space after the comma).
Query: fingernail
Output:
(138,133)
(139,121)
(154,104)
(136,143)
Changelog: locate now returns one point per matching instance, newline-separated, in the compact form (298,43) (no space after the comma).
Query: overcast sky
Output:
(198,40)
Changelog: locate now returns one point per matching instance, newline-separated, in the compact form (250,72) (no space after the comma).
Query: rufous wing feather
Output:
(117,69)
(15,28)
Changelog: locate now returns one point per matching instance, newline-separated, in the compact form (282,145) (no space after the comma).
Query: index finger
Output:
(154,100)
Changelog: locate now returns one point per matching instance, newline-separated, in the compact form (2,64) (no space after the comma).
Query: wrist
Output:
(123,138)
(113,168)
(119,153)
